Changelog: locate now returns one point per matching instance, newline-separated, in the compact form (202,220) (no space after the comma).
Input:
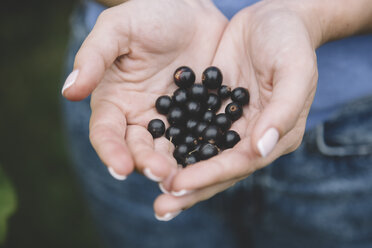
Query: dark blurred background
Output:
(51,211)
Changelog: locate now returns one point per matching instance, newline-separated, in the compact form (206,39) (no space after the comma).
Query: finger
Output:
(107,41)
(148,160)
(294,84)
(167,207)
(166,148)
(107,130)
(230,164)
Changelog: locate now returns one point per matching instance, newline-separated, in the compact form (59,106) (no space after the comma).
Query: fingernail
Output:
(151,176)
(167,216)
(70,80)
(116,175)
(268,141)
(181,192)
(163,189)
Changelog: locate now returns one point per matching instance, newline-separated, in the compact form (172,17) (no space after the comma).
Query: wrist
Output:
(328,20)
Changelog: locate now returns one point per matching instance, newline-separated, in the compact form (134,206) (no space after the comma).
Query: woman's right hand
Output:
(127,62)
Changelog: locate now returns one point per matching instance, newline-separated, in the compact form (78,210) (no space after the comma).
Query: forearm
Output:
(110,3)
(329,20)
(337,19)
(342,18)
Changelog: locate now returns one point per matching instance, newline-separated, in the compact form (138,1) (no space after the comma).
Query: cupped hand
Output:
(268,48)
(127,62)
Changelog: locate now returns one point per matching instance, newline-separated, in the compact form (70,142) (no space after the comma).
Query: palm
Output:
(268,51)
(135,80)
(276,62)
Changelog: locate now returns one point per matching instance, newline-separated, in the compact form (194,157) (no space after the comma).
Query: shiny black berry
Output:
(180,97)
(212,78)
(180,153)
(200,129)
(224,92)
(231,138)
(207,151)
(191,159)
(208,116)
(163,104)
(193,108)
(196,148)
(176,116)
(184,77)
(198,92)
(240,95)
(223,122)
(190,140)
(234,111)
(191,125)
(156,127)
(175,134)
(212,134)
(213,102)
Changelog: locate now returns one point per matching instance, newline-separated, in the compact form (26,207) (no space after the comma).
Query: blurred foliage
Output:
(51,211)
(7,203)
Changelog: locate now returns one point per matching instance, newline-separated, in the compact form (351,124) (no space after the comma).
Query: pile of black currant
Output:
(197,132)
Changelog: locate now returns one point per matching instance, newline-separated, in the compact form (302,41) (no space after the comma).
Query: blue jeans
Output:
(318,196)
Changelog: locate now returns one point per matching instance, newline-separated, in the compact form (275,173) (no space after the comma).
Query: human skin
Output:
(267,48)
(128,60)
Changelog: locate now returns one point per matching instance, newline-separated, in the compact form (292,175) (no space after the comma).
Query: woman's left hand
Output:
(269,49)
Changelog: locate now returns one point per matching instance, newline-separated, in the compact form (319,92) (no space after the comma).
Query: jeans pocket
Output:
(349,133)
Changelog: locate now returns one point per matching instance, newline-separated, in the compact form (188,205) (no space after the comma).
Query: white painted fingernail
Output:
(268,141)
(116,175)
(181,192)
(70,80)
(151,176)
(163,189)
(167,216)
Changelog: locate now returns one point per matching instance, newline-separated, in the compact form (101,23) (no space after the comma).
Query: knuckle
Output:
(97,132)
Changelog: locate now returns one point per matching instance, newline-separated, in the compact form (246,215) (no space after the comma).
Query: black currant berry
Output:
(223,122)
(180,97)
(200,129)
(224,92)
(198,92)
(240,95)
(175,134)
(163,104)
(234,111)
(156,127)
(196,148)
(231,138)
(213,102)
(176,116)
(212,134)
(180,153)
(207,150)
(212,78)
(208,116)
(190,140)
(184,77)
(191,125)
(191,159)
(193,108)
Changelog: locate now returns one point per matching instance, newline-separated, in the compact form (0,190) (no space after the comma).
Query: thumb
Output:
(108,40)
(293,91)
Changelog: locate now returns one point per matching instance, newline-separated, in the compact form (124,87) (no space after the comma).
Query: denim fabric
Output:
(319,196)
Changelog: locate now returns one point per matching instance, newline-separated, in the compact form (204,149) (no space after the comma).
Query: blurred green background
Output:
(51,211)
